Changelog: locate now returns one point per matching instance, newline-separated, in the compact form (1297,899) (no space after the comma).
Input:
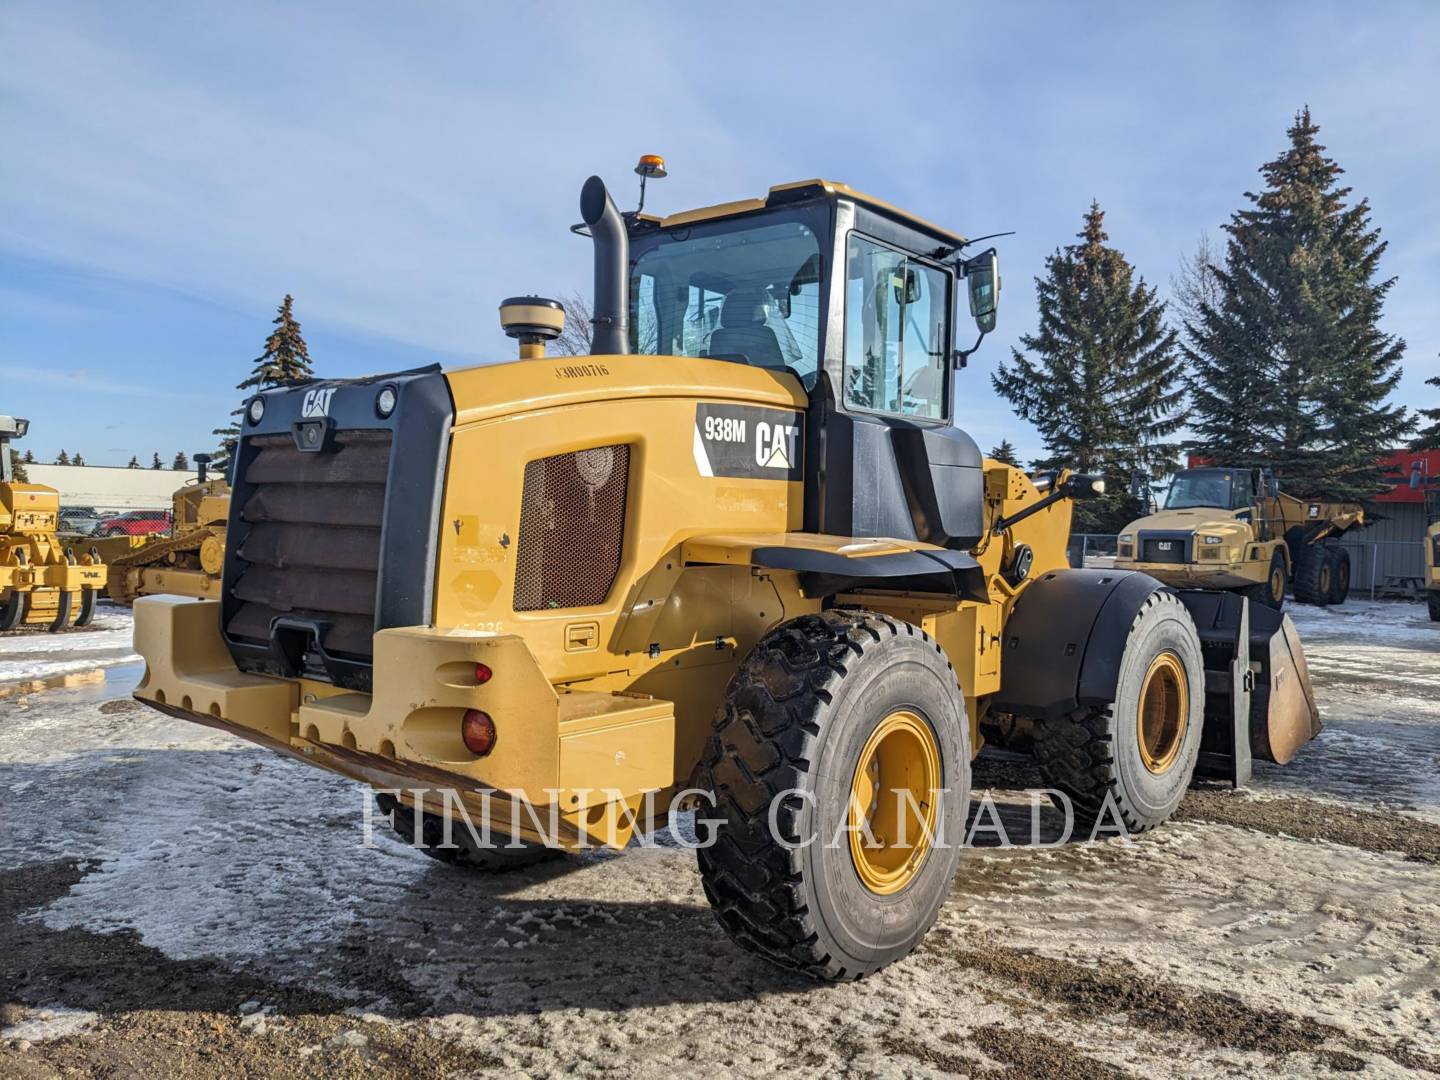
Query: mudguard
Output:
(1065,639)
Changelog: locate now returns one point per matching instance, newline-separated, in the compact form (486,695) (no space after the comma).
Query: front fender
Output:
(1065,639)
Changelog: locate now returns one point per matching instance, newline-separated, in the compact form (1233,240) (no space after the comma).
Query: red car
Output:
(136,523)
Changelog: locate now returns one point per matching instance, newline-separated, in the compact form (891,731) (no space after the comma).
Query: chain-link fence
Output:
(1378,568)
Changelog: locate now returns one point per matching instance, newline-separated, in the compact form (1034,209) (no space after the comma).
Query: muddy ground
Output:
(173,901)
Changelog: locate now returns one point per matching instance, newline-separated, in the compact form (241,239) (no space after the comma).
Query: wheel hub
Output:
(894,802)
(1164,712)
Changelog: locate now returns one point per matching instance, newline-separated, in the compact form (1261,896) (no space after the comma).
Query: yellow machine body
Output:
(188,562)
(38,573)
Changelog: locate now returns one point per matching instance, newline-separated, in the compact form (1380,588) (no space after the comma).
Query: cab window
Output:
(897,312)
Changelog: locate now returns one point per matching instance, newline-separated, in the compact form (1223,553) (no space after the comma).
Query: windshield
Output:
(745,290)
(1199,489)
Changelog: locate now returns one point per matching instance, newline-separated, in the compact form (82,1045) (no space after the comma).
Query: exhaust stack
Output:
(612,269)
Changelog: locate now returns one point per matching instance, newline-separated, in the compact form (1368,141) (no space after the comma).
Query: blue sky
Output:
(169,171)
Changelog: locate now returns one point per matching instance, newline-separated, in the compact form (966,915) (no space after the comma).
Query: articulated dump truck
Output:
(738,560)
(1235,530)
(44,584)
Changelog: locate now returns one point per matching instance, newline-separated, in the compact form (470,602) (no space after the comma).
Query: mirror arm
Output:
(962,356)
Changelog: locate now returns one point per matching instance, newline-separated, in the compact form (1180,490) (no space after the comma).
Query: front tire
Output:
(1339,575)
(1271,591)
(829,717)
(1133,759)
(1432,601)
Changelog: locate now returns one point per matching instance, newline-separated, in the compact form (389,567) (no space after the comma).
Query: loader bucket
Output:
(1283,716)
(1258,698)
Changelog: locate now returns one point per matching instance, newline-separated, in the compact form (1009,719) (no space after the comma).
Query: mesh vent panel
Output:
(572,523)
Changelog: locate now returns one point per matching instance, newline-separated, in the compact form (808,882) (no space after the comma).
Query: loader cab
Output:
(860,302)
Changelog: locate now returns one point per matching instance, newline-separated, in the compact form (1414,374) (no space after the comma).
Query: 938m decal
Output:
(749,441)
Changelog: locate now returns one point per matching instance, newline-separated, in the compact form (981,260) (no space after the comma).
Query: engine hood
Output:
(1188,520)
(521,386)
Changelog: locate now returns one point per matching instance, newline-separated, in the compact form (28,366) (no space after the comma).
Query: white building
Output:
(107,488)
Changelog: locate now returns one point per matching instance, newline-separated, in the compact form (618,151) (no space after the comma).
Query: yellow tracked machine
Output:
(1234,529)
(43,583)
(738,560)
(189,561)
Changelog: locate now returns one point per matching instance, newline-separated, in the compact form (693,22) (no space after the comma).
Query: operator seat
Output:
(742,333)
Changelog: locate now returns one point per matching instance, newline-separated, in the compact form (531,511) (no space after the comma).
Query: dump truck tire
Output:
(1132,759)
(1432,601)
(1312,575)
(826,711)
(1339,575)
(465,852)
(1271,591)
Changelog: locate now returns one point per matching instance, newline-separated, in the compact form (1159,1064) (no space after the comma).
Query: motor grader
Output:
(187,562)
(43,583)
(1234,529)
(738,559)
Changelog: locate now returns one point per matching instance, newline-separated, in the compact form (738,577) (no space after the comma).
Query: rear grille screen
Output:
(313,546)
(572,524)
(1163,550)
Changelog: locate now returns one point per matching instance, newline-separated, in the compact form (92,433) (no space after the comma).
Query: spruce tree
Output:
(155,461)
(1290,368)
(77,460)
(1429,437)
(285,361)
(1104,387)
(134,463)
(181,462)
(62,458)
(29,457)
(1004,453)
(17,466)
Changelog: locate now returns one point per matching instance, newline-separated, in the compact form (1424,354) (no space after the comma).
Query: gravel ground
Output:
(174,901)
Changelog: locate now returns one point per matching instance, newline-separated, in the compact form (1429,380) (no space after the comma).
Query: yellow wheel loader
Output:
(43,583)
(737,560)
(1233,529)
(189,561)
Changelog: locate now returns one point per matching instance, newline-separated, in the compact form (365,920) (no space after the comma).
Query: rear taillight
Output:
(482,674)
(478,732)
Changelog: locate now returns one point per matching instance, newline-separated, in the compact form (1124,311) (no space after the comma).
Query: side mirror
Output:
(982,280)
(1085,486)
(907,286)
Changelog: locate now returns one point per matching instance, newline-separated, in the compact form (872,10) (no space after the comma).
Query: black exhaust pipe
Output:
(612,269)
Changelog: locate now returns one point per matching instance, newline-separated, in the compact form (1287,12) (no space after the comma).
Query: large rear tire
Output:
(1432,601)
(1339,575)
(465,851)
(1312,575)
(1132,760)
(839,729)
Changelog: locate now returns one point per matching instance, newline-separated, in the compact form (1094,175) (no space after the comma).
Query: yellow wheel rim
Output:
(1277,584)
(1324,580)
(1164,712)
(894,802)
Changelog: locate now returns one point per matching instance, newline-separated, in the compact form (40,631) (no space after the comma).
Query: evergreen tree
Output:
(1104,389)
(62,458)
(1005,453)
(29,457)
(17,466)
(285,361)
(1290,369)
(181,462)
(1429,437)
(155,462)
(77,460)
(134,463)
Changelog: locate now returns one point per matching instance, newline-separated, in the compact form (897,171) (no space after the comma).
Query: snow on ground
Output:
(189,889)
(35,656)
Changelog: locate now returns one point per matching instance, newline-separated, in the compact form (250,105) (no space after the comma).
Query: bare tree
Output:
(575,339)
(1195,286)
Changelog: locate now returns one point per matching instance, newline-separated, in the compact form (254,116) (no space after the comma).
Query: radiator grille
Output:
(313,545)
(1163,549)
(572,524)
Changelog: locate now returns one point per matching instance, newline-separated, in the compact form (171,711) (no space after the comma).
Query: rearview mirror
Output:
(907,286)
(982,279)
